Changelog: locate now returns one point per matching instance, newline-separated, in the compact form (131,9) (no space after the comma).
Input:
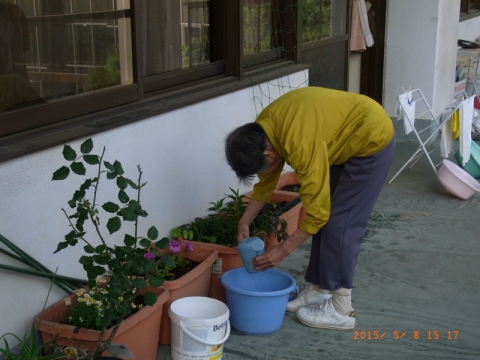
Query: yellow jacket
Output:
(312,128)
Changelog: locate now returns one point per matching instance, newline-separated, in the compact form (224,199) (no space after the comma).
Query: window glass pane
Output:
(79,49)
(257,26)
(473,5)
(176,33)
(323,19)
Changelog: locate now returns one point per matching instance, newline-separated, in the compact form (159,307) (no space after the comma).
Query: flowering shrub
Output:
(94,305)
(167,269)
(221,225)
(127,268)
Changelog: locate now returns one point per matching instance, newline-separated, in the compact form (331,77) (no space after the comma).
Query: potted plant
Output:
(219,230)
(287,206)
(27,349)
(113,272)
(189,277)
(288,182)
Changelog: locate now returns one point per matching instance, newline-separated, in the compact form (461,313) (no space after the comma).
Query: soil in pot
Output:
(292,188)
(178,271)
(274,207)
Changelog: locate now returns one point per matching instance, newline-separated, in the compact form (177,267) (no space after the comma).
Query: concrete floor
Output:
(418,271)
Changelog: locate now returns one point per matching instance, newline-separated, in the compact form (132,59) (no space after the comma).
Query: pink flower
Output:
(149,256)
(188,246)
(174,246)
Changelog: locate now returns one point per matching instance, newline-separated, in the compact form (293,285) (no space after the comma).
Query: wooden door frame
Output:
(372,63)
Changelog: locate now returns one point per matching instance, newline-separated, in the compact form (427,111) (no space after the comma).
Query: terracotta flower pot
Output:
(291,216)
(195,283)
(290,178)
(139,332)
(228,258)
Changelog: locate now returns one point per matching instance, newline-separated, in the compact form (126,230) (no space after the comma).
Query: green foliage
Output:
(27,349)
(122,264)
(220,227)
(257,27)
(197,51)
(316,19)
(98,305)
(107,75)
(171,266)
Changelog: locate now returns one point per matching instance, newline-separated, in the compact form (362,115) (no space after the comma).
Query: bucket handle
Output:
(205,342)
(294,294)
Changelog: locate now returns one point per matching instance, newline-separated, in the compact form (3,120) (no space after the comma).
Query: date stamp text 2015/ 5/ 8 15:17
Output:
(398,334)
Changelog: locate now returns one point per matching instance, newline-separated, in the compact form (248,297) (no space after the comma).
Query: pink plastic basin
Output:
(457,181)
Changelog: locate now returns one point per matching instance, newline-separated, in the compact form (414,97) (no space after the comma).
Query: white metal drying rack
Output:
(425,139)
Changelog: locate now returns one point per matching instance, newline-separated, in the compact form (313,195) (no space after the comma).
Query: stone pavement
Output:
(417,277)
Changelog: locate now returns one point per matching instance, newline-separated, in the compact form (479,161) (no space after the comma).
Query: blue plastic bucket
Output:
(258,301)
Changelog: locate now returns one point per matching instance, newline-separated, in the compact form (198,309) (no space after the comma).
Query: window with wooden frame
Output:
(61,59)
(71,68)
(469,9)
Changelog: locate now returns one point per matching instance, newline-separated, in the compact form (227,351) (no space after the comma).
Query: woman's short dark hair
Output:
(244,150)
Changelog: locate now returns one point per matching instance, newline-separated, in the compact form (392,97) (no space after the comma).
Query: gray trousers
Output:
(355,187)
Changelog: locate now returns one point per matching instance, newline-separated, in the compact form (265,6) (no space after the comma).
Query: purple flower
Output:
(149,256)
(174,246)
(188,246)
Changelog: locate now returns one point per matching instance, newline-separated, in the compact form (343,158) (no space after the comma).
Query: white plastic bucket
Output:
(199,328)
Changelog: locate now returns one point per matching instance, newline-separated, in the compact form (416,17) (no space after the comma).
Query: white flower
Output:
(79,292)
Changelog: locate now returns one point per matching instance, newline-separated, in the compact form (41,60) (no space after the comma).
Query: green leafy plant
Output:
(108,75)
(180,265)
(92,304)
(27,349)
(220,227)
(125,267)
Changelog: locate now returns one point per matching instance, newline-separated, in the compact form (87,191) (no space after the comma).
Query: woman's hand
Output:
(271,258)
(253,208)
(277,253)
(242,232)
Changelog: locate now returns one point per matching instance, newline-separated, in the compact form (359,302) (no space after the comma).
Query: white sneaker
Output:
(307,297)
(325,316)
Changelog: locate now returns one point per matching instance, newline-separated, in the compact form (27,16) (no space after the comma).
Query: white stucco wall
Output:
(469,29)
(354,68)
(182,158)
(420,50)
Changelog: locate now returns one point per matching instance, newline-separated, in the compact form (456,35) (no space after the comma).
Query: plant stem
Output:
(28,260)
(94,204)
(79,282)
(73,227)
(138,199)
(39,273)
(11,255)
(98,178)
